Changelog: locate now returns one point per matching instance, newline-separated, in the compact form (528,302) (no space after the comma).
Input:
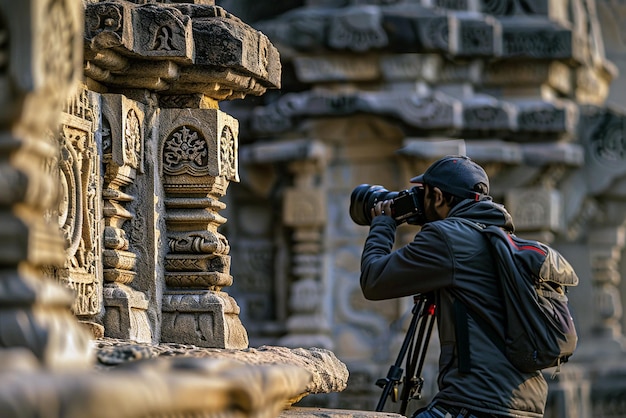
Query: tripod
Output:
(414,349)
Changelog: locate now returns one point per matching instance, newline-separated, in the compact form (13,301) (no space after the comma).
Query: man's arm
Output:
(424,265)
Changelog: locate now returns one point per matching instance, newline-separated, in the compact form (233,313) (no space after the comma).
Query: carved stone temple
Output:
(114,162)
(175,178)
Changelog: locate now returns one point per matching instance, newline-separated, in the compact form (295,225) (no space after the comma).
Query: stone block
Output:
(160,32)
(223,40)
(425,111)
(202,318)
(535,38)
(487,114)
(403,66)
(516,72)
(534,209)
(544,117)
(432,148)
(304,207)
(474,37)
(179,386)
(335,68)
(125,313)
(559,153)
(414,28)
(494,151)
(196,145)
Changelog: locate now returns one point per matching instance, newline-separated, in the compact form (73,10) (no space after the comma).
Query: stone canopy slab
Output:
(173,49)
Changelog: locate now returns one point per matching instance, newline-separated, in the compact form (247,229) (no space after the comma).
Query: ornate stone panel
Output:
(79,211)
(536,38)
(535,209)
(603,132)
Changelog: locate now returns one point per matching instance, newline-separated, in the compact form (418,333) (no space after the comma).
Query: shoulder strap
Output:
(461,311)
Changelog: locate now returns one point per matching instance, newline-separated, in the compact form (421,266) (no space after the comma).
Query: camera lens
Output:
(406,206)
(363,199)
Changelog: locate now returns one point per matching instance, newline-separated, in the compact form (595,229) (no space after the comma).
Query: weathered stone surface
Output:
(152,387)
(328,374)
(177,49)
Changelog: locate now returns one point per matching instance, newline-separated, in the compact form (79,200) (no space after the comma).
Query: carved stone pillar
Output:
(40,64)
(606,243)
(177,60)
(78,213)
(304,210)
(122,150)
(198,161)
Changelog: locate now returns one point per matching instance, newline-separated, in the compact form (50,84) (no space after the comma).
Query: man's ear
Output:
(438,196)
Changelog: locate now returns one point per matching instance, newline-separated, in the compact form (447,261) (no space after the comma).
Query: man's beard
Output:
(430,213)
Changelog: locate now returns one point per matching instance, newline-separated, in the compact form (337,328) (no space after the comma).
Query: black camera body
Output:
(406,206)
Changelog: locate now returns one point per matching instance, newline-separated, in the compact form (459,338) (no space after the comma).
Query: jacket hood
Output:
(485,211)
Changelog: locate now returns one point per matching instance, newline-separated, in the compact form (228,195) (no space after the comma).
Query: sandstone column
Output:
(40,64)
(198,160)
(170,154)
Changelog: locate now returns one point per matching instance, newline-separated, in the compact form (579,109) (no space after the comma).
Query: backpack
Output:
(539,329)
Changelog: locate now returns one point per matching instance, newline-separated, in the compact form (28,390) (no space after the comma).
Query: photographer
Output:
(452,260)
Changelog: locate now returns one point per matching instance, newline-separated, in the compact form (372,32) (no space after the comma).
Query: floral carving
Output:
(185,151)
(108,18)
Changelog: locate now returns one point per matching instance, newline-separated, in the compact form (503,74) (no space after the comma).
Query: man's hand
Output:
(382,208)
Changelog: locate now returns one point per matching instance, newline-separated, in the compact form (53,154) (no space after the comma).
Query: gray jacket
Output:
(452,259)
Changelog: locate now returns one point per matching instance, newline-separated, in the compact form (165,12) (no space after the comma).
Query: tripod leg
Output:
(413,381)
(395,371)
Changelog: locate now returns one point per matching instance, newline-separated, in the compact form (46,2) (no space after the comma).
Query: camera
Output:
(406,206)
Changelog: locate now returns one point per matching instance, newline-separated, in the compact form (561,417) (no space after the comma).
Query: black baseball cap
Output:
(455,174)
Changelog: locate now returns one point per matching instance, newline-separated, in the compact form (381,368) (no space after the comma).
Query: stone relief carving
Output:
(104,18)
(39,69)
(185,152)
(132,140)
(514,7)
(531,42)
(78,210)
(608,145)
(228,154)
(360,29)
